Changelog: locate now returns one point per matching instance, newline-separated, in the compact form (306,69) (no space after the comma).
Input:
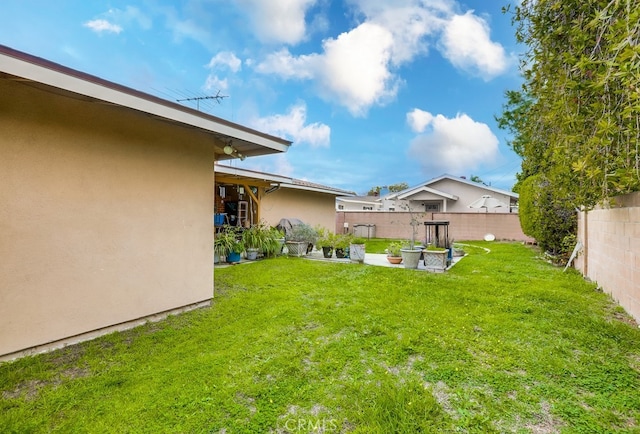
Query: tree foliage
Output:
(394,188)
(576,120)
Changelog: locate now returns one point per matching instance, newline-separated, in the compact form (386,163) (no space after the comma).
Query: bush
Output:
(545,215)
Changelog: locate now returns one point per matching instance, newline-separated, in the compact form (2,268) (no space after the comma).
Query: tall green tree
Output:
(576,119)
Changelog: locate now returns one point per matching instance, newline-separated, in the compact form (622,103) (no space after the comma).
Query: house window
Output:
(434,207)
(392,209)
(367,208)
(340,206)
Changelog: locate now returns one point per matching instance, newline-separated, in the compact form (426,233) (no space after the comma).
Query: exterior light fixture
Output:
(228,150)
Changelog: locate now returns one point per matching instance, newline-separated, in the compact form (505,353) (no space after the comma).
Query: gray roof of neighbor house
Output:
(248,175)
(420,186)
(35,71)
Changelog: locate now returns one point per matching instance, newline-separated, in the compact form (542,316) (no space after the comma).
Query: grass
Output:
(503,342)
(379,245)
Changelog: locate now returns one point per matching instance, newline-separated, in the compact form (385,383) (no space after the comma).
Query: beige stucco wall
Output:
(462,226)
(105,216)
(611,252)
(311,207)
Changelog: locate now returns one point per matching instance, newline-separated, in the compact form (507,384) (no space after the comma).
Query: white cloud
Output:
(130,14)
(278,21)
(355,68)
(225,59)
(214,82)
(409,21)
(293,127)
(453,145)
(100,26)
(278,164)
(467,44)
(287,66)
(418,120)
(358,69)
(353,71)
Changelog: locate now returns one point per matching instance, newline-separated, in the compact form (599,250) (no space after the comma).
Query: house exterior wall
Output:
(311,207)
(611,250)
(105,216)
(467,194)
(351,206)
(462,226)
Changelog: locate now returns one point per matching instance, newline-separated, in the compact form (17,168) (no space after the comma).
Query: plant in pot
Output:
(357,249)
(230,243)
(273,242)
(436,258)
(341,245)
(299,239)
(254,239)
(221,247)
(394,256)
(325,244)
(411,254)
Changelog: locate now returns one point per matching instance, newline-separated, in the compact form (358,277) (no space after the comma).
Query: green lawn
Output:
(503,342)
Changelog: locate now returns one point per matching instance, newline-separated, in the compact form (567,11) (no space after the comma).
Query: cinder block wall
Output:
(611,250)
(462,226)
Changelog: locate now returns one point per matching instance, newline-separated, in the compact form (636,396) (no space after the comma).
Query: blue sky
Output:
(371,92)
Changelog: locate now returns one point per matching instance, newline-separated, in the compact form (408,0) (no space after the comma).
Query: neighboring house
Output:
(358,203)
(271,197)
(106,203)
(445,193)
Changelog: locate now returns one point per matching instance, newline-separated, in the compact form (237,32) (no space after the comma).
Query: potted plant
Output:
(411,254)
(254,239)
(221,247)
(325,243)
(229,242)
(394,256)
(273,242)
(357,249)
(300,238)
(341,245)
(436,258)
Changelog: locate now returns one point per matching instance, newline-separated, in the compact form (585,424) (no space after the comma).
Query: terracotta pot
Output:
(394,259)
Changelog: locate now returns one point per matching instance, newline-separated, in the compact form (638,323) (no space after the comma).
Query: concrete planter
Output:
(411,257)
(297,248)
(436,260)
(356,253)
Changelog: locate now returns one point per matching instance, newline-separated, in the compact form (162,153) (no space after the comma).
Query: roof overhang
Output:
(359,201)
(18,66)
(474,184)
(317,189)
(423,189)
(235,175)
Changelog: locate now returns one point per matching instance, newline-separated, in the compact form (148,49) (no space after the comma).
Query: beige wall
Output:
(611,252)
(311,207)
(462,226)
(105,216)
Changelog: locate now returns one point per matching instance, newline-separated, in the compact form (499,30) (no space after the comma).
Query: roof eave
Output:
(247,141)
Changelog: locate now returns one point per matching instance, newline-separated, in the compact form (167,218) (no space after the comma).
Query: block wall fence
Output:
(610,255)
(462,226)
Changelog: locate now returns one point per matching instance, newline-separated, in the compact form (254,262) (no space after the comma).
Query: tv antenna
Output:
(217,97)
